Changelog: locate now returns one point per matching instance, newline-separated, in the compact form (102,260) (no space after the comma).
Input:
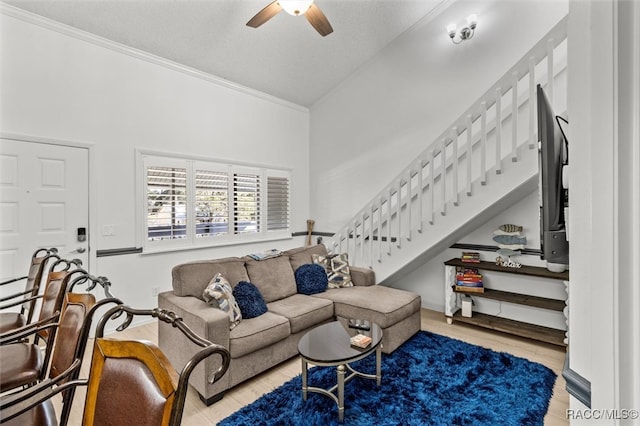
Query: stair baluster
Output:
(514,118)
(498,131)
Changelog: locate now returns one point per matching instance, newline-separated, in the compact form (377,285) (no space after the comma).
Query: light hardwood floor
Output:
(196,413)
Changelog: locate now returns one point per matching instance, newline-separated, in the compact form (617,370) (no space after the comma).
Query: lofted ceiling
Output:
(285,57)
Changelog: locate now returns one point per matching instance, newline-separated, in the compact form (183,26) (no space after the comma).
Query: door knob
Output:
(79,250)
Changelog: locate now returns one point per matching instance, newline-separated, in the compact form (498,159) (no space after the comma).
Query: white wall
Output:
(370,127)
(604,107)
(61,85)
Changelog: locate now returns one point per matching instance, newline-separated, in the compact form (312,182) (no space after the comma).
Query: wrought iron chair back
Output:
(27,298)
(177,401)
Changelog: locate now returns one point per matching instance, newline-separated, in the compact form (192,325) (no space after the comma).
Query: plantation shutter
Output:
(277,203)
(211,203)
(166,202)
(247,203)
(192,202)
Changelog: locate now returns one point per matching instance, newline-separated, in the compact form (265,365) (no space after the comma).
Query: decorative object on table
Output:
(310,223)
(509,252)
(482,387)
(509,229)
(507,263)
(360,341)
(470,257)
(510,241)
(267,254)
(467,303)
(359,324)
(468,280)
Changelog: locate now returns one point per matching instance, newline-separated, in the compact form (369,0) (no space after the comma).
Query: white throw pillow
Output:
(219,293)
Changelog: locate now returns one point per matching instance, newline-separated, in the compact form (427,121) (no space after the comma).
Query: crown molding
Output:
(96,40)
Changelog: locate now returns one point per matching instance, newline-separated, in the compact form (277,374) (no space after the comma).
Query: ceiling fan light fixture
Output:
(295,7)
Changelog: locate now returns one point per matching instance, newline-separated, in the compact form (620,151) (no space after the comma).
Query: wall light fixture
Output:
(465,32)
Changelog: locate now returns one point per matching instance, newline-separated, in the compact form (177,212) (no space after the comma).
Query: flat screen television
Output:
(552,157)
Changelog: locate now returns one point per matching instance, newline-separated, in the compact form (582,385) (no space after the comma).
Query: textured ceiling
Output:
(285,57)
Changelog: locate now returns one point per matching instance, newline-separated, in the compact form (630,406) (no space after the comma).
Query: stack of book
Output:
(468,280)
(470,257)
(267,254)
(360,340)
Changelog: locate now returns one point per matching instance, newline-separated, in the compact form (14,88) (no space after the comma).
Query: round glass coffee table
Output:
(329,345)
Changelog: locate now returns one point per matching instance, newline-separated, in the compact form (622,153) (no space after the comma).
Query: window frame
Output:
(193,164)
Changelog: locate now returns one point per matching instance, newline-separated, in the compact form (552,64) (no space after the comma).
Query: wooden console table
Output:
(533,331)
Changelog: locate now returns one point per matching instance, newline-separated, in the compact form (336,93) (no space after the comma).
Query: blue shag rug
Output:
(429,380)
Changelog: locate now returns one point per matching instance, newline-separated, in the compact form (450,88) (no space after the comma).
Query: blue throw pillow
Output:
(249,300)
(311,279)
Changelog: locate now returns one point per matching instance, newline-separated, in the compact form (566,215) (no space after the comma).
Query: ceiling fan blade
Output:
(265,14)
(317,19)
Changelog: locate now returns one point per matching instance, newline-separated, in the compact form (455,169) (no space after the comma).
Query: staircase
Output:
(486,160)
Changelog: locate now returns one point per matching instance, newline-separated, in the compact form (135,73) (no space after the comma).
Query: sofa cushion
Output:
(311,279)
(383,305)
(302,255)
(273,277)
(256,333)
(190,279)
(219,294)
(337,268)
(303,311)
(249,300)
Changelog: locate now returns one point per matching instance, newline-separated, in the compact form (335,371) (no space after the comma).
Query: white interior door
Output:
(44,202)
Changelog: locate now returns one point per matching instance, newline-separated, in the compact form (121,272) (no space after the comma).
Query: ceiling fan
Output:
(296,8)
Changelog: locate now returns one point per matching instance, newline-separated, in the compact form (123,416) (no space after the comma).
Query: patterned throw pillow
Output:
(337,267)
(218,293)
(249,299)
(311,279)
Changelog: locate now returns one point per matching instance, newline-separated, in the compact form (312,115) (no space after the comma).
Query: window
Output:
(211,203)
(190,202)
(278,204)
(246,203)
(166,202)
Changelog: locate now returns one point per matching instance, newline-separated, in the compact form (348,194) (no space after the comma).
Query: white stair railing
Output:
(459,160)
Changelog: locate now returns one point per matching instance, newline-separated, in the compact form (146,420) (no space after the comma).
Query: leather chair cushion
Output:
(11,321)
(122,381)
(42,415)
(21,365)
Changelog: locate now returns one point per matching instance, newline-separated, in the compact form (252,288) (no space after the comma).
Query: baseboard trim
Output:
(577,386)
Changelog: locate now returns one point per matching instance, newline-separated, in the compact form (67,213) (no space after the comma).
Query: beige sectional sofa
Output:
(260,343)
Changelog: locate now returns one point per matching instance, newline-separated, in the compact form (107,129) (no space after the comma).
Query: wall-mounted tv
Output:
(553,156)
